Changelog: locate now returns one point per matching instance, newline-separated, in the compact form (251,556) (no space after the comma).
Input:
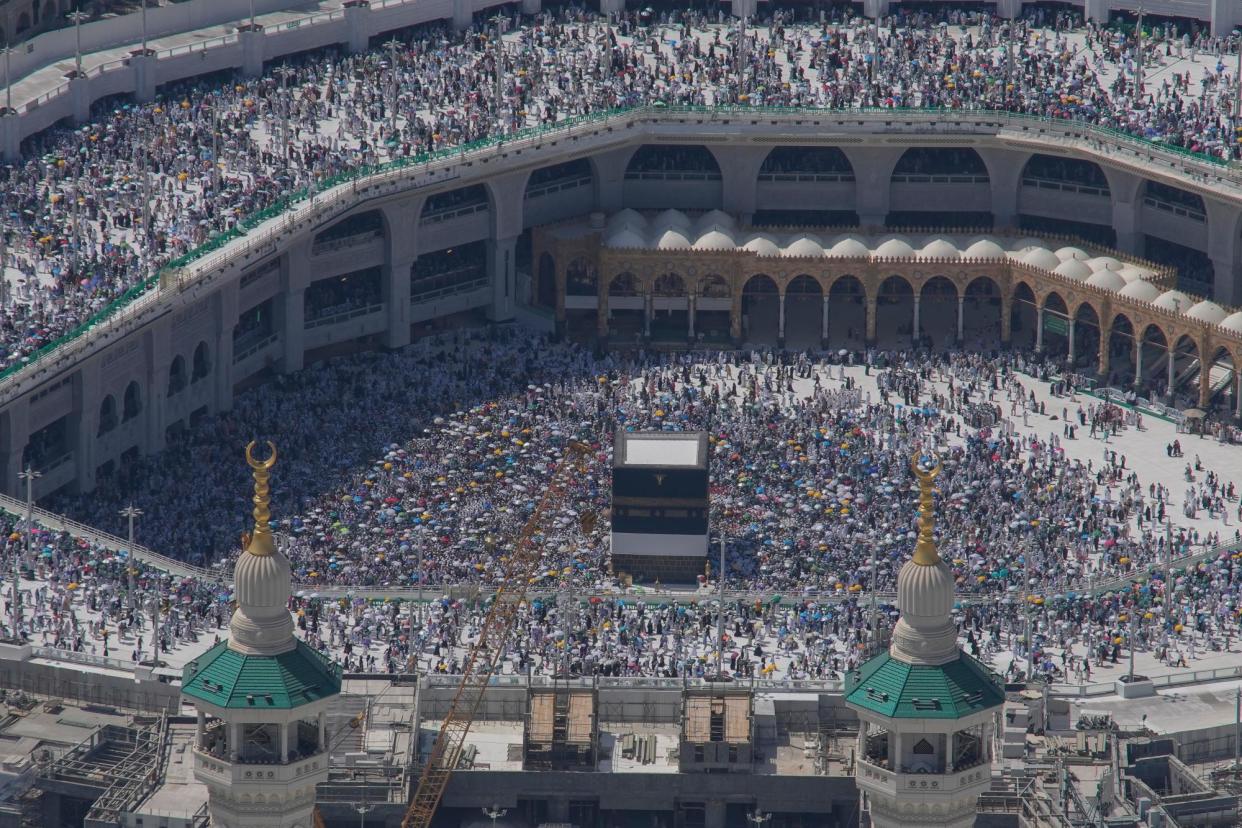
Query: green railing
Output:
(657,109)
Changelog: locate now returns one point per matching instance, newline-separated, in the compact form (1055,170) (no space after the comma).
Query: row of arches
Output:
(178,376)
(131,408)
(181,374)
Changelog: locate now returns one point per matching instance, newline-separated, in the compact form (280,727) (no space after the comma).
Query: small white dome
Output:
(984,249)
(261,624)
(1078,253)
(1027,243)
(940,249)
(715,240)
(1209,312)
(849,248)
(1132,274)
(1141,290)
(761,244)
(1108,280)
(671,219)
(1072,269)
(627,218)
(1104,263)
(1233,322)
(1173,300)
(894,249)
(1040,257)
(672,240)
(626,237)
(803,246)
(715,219)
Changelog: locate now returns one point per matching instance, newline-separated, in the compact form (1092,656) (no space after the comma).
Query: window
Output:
(923,748)
(698,753)
(732,754)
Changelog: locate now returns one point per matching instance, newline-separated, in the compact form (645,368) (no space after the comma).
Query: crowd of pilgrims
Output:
(94,210)
(810,483)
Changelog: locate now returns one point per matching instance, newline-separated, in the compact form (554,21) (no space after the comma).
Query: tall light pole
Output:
(131,512)
(757,819)
(494,813)
(720,614)
(30,476)
(499,20)
(77,16)
(1138,58)
(1237,79)
(284,72)
(144,28)
(252,15)
(8,81)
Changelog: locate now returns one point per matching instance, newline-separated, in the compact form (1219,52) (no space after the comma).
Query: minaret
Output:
(926,710)
(262,695)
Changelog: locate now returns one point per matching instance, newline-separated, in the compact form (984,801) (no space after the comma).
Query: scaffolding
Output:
(561,729)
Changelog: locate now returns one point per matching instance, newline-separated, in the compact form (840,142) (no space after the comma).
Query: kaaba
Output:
(659,505)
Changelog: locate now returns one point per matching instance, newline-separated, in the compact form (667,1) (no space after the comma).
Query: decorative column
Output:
(1070,328)
(1039,329)
(1172,378)
(1006,331)
(1205,380)
(780,321)
(823,323)
(601,316)
(871,314)
(914,329)
(735,318)
(1237,390)
(691,304)
(1138,361)
(961,319)
(647,311)
(1106,341)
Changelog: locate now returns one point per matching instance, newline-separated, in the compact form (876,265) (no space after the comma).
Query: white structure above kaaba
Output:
(659,505)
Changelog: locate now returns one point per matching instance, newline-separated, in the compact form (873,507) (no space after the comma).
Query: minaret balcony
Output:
(879,779)
(212,768)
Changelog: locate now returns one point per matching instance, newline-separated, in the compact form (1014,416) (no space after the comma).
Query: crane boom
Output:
(485,654)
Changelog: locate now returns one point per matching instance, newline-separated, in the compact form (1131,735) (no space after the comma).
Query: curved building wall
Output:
(305,285)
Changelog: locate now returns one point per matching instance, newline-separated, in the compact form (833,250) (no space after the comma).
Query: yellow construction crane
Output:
(483,657)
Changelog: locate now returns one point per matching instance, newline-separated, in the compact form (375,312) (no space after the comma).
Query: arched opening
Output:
(1185,368)
(670,308)
(1023,317)
(1055,331)
(918,195)
(202,362)
(847,313)
(711,309)
(107,415)
(1196,274)
(559,179)
(1120,353)
(1075,175)
(625,307)
(177,378)
(804,312)
(1150,373)
(1222,383)
(545,283)
(49,10)
(760,310)
(979,314)
(133,402)
(660,176)
(937,312)
(581,298)
(351,231)
(894,320)
(1086,338)
(454,204)
(821,178)
(23,23)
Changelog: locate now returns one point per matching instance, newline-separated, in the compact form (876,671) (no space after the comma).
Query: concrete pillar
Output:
(1169,380)
(397,303)
(1070,334)
(601,314)
(1006,318)
(323,730)
(610,168)
(19,435)
(10,137)
(1226,282)
(647,310)
(690,315)
(735,325)
(871,314)
(558,809)
(1039,329)
(780,321)
(463,12)
(145,72)
(961,318)
(823,323)
(293,330)
(252,50)
(1126,191)
(1106,334)
(284,741)
(222,356)
(739,169)
(500,257)
(86,399)
(1224,15)
(1138,361)
(914,328)
(873,172)
(1237,392)
(80,94)
(234,738)
(714,813)
(1205,382)
(200,728)
(1004,181)
(357,20)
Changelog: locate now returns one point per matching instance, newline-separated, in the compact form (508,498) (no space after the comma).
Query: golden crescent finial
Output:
(260,464)
(925,553)
(261,541)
